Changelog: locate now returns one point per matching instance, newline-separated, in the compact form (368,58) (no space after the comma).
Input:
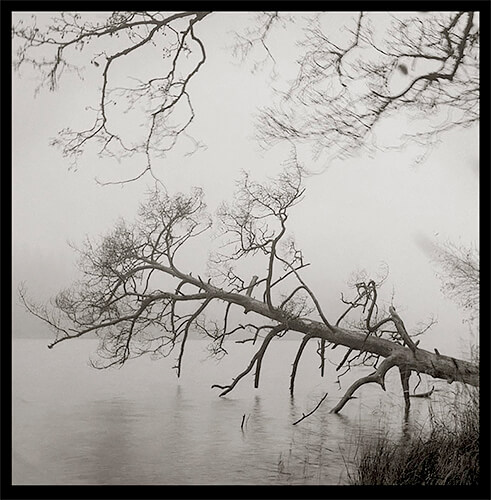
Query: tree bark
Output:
(418,360)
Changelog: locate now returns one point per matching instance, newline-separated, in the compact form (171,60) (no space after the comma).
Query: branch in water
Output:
(304,416)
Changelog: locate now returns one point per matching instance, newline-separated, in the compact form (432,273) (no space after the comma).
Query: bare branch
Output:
(162,100)
(256,360)
(301,348)
(423,68)
(401,329)
(378,377)
(405,374)
(304,416)
(138,300)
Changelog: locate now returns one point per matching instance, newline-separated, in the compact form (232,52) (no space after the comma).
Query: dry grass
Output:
(447,455)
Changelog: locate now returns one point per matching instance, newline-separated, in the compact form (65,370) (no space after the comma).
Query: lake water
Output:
(140,425)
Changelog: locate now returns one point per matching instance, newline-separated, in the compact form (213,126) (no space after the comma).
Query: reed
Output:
(447,454)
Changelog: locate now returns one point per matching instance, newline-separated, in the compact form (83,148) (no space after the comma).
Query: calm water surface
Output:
(73,424)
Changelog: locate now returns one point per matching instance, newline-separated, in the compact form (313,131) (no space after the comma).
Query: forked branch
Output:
(378,377)
(256,360)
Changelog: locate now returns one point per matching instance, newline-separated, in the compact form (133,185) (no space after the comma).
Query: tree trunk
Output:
(420,360)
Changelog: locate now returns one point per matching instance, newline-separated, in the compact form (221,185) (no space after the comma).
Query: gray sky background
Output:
(409,206)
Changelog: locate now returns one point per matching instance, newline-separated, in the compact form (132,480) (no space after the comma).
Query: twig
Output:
(304,416)
(423,394)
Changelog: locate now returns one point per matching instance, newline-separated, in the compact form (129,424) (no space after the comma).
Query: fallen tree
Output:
(135,296)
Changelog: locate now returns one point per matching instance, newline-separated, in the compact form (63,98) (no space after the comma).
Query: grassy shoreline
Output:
(447,454)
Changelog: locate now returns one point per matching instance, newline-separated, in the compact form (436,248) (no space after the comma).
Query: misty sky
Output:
(361,213)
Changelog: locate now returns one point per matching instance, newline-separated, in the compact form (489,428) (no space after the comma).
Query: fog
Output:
(366,212)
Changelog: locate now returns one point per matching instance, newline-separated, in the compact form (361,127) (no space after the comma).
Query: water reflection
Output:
(134,426)
(112,451)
